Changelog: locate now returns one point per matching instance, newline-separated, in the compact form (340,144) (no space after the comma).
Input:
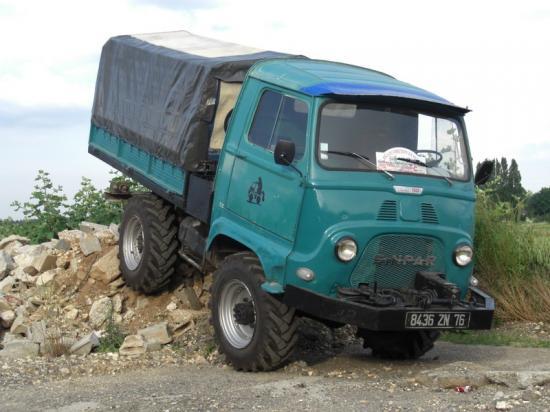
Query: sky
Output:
(492,56)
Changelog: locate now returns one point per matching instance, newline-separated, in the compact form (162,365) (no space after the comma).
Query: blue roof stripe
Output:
(366,89)
(325,78)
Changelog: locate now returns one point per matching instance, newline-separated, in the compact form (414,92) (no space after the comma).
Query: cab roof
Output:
(325,78)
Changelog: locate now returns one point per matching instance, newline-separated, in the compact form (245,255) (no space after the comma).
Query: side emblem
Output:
(256,193)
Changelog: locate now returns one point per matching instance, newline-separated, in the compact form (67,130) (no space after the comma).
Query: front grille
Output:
(392,261)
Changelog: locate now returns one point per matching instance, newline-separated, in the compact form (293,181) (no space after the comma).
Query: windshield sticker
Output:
(324,148)
(400,159)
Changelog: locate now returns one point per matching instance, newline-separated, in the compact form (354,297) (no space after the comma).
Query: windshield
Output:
(392,139)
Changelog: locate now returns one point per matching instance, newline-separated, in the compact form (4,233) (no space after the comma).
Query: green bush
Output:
(512,260)
(48,212)
(44,211)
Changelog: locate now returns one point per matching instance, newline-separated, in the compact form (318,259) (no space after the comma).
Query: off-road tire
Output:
(160,243)
(398,345)
(274,334)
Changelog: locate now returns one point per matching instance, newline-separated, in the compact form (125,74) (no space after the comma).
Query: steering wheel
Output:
(434,162)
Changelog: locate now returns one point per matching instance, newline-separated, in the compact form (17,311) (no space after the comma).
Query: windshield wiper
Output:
(364,159)
(421,163)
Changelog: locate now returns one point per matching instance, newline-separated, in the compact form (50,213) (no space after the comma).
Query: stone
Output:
(71,236)
(46,277)
(89,227)
(8,284)
(23,276)
(6,263)
(114,230)
(13,238)
(85,345)
(453,375)
(6,318)
(502,405)
(530,395)
(133,345)
(38,332)
(19,326)
(521,380)
(152,346)
(100,311)
(129,315)
(25,256)
(181,317)
(4,305)
(117,283)
(117,303)
(107,268)
(71,314)
(171,306)
(20,349)
(43,262)
(12,248)
(62,244)
(157,333)
(89,244)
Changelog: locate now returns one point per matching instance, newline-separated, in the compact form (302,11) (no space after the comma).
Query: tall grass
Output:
(513,262)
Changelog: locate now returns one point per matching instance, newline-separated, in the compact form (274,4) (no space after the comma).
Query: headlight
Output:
(463,255)
(346,249)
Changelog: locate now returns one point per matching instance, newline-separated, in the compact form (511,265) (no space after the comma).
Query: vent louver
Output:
(429,214)
(388,210)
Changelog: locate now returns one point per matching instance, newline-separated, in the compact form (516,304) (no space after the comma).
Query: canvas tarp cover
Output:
(159,91)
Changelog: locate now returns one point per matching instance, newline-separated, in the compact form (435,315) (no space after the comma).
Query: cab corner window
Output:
(279,117)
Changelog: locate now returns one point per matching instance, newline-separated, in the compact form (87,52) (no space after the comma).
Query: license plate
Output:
(437,320)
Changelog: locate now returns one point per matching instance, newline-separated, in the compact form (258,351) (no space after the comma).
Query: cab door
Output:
(261,191)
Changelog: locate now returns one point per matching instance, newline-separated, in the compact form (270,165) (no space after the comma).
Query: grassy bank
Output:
(513,262)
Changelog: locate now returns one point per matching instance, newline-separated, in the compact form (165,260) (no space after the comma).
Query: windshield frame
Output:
(397,103)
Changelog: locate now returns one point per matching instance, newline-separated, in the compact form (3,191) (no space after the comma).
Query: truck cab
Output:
(338,193)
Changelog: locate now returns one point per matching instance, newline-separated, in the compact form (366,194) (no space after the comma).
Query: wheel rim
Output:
(238,335)
(132,244)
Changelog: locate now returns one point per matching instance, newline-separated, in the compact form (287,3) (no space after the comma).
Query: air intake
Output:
(429,214)
(388,210)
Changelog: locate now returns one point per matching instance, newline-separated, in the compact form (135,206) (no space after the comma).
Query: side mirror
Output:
(484,172)
(285,151)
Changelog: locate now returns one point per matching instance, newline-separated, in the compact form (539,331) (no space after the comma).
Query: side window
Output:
(279,117)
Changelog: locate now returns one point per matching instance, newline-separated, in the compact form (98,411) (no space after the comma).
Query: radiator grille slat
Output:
(392,261)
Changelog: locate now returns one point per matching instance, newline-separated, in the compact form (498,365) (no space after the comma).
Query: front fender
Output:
(270,248)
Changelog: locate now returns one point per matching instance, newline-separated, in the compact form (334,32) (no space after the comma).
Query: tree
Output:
(505,186)
(538,205)
(89,204)
(513,188)
(44,210)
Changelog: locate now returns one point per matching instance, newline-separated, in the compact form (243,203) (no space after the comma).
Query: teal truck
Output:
(308,188)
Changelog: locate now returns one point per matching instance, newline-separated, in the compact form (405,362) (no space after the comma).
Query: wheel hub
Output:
(132,245)
(237,314)
(244,313)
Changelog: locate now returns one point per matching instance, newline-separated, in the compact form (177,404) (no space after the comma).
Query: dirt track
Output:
(351,381)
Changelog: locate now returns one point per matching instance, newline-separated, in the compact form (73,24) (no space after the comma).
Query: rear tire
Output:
(148,243)
(399,345)
(254,330)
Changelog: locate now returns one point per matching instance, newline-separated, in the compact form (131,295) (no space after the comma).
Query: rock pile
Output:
(66,295)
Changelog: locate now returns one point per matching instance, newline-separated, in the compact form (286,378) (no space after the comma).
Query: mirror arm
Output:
(295,168)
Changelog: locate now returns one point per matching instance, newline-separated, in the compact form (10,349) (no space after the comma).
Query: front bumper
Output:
(383,318)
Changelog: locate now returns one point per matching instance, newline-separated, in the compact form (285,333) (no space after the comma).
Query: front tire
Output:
(254,330)
(399,345)
(148,243)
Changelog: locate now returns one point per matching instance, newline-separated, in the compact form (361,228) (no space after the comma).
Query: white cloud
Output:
(491,56)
